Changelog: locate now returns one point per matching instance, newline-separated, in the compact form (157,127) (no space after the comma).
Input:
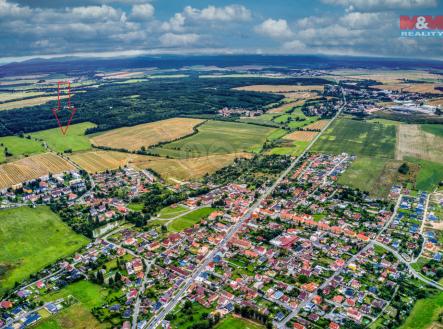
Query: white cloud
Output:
(380,5)
(212,13)
(103,12)
(274,28)
(142,11)
(176,23)
(13,9)
(173,40)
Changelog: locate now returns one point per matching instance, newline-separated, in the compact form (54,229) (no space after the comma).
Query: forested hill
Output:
(116,105)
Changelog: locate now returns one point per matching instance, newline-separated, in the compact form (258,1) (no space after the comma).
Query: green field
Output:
(74,139)
(294,149)
(425,312)
(436,129)
(136,206)
(429,175)
(30,239)
(358,138)
(88,295)
(231,322)
(277,134)
(189,220)
(218,137)
(171,212)
(18,147)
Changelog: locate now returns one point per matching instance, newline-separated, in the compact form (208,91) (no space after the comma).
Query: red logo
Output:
(69,107)
(421,23)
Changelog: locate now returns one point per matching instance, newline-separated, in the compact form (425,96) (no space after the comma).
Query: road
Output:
(140,292)
(158,318)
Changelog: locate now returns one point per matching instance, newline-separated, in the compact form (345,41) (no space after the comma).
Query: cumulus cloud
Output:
(212,13)
(174,40)
(176,23)
(274,28)
(379,5)
(103,12)
(142,11)
(13,10)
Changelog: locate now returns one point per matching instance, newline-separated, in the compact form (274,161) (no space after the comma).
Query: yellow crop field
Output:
(281,88)
(435,102)
(412,87)
(317,125)
(6,97)
(301,136)
(148,134)
(32,167)
(29,102)
(171,169)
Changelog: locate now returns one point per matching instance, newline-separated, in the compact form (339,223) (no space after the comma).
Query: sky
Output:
(107,28)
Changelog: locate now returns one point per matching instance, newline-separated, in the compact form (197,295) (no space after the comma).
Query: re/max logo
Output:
(421,23)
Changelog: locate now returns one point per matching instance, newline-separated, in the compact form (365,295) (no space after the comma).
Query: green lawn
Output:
(218,137)
(74,139)
(436,129)
(87,293)
(359,138)
(429,175)
(18,147)
(425,312)
(30,239)
(170,212)
(231,322)
(189,220)
(136,206)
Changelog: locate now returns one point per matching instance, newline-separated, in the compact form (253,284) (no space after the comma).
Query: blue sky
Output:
(30,28)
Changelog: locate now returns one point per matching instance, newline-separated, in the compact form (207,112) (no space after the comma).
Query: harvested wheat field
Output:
(98,161)
(28,102)
(423,88)
(281,88)
(301,136)
(317,125)
(148,134)
(186,169)
(32,167)
(174,169)
(413,141)
(387,76)
(435,102)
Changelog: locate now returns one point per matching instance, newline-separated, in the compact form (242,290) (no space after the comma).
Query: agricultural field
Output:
(32,238)
(415,141)
(386,76)
(292,148)
(435,129)
(301,136)
(218,137)
(18,147)
(317,125)
(32,167)
(283,108)
(281,88)
(435,102)
(28,102)
(6,97)
(358,138)
(74,140)
(429,175)
(189,219)
(99,161)
(425,312)
(423,88)
(146,135)
(175,170)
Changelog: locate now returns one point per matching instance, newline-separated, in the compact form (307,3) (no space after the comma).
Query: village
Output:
(313,254)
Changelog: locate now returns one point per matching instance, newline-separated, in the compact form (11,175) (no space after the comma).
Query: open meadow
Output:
(359,138)
(189,219)
(18,147)
(32,167)
(146,135)
(74,140)
(218,137)
(32,238)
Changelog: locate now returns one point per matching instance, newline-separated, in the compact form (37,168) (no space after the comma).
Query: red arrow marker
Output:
(69,107)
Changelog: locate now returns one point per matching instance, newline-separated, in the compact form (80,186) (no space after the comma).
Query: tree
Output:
(100,278)
(404,169)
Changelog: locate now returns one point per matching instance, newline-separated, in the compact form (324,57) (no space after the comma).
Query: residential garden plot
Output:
(74,140)
(413,141)
(218,137)
(32,167)
(145,135)
(30,239)
(18,147)
(189,220)
(359,138)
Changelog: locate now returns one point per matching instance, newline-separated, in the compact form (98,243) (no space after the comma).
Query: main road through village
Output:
(157,319)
